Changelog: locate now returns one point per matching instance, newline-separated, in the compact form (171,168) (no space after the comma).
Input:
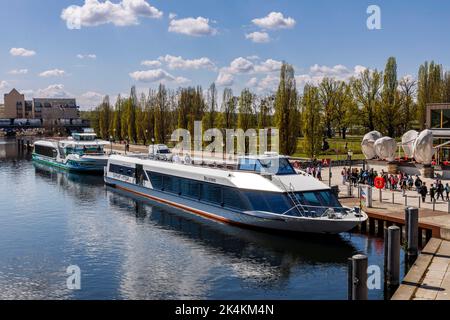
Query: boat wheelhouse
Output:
(82,152)
(260,191)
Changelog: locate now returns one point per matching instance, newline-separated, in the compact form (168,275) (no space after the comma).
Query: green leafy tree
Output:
(286,110)
(429,89)
(312,121)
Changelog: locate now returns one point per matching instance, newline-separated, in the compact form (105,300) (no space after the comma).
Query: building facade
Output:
(438,116)
(47,109)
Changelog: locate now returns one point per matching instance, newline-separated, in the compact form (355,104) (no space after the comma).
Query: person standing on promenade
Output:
(432,193)
(440,191)
(447,191)
(423,192)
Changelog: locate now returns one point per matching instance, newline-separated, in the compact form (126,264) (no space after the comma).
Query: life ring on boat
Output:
(379,183)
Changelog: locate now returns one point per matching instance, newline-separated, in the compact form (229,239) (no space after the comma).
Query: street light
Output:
(111,141)
(350,155)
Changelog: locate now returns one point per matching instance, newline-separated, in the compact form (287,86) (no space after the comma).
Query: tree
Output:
(366,90)
(116,126)
(210,116)
(228,118)
(345,108)
(407,106)
(429,89)
(104,118)
(286,110)
(388,111)
(161,113)
(312,120)
(327,93)
(446,88)
(246,117)
(265,111)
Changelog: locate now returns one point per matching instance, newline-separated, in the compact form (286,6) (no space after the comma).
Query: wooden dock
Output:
(429,277)
(432,224)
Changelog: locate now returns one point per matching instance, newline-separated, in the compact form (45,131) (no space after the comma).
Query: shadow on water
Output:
(11,151)
(236,241)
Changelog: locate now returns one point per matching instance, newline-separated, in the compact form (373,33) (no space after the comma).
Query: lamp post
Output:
(111,141)
(350,155)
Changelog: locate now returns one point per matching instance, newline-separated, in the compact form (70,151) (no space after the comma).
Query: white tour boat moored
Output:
(258,191)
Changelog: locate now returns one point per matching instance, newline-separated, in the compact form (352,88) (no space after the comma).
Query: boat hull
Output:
(74,165)
(246,219)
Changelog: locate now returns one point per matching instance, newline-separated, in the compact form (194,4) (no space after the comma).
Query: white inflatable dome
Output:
(368,142)
(408,141)
(385,148)
(423,147)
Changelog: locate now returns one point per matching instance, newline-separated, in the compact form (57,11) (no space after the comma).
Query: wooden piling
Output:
(359,277)
(412,231)
(393,256)
(371,226)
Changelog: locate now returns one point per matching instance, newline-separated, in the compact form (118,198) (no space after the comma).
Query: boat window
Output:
(247,165)
(211,193)
(329,199)
(171,184)
(190,188)
(277,202)
(310,198)
(278,166)
(232,198)
(257,201)
(45,151)
(125,171)
(156,180)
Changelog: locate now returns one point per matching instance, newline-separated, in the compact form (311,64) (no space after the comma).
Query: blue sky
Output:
(93,48)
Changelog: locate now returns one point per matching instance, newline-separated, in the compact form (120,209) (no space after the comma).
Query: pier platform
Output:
(429,277)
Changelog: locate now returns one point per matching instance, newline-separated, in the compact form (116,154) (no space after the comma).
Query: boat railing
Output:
(307,212)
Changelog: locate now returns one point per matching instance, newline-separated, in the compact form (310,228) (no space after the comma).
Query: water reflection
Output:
(130,248)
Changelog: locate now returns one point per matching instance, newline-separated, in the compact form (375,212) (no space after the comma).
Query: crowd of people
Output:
(395,182)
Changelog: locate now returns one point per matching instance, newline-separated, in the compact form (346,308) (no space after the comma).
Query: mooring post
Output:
(412,231)
(350,279)
(420,202)
(381,196)
(359,277)
(385,231)
(406,199)
(393,195)
(393,256)
(434,204)
(448,210)
(371,225)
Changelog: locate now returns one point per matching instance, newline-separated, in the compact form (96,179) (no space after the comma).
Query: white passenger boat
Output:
(82,152)
(258,191)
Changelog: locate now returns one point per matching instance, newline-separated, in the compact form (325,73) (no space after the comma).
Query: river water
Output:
(128,248)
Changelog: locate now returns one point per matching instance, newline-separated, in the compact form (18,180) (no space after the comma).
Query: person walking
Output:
(423,192)
(432,193)
(447,191)
(440,191)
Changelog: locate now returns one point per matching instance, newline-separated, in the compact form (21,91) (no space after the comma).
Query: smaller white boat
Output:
(82,152)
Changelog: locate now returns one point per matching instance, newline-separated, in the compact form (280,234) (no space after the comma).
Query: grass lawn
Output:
(337,150)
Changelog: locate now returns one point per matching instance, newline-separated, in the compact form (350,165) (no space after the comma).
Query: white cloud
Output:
(252,82)
(338,72)
(258,37)
(94,13)
(254,57)
(180,63)
(158,75)
(151,63)
(241,65)
(195,27)
(21,52)
(87,56)
(270,65)
(4,85)
(90,99)
(172,16)
(245,66)
(52,73)
(275,20)
(225,79)
(53,91)
(18,71)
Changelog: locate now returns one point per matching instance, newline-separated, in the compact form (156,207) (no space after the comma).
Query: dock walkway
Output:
(429,277)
